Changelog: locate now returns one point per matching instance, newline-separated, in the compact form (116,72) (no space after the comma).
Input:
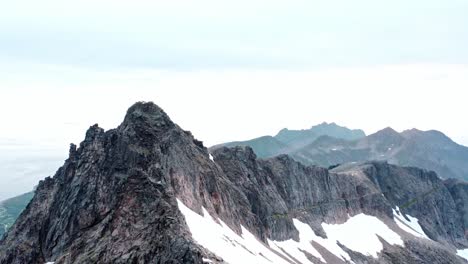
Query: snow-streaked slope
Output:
(463,253)
(221,240)
(359,233)
(306,235)
(412,226)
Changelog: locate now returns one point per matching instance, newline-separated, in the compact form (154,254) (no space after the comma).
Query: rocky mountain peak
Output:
(386,135)
(430,135)
(325,124)
(148,115)
(93,132)
(387,132)
(411,131)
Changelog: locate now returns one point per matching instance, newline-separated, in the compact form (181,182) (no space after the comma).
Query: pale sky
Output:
(225,71)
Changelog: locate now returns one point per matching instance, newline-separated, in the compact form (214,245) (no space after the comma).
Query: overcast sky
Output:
(225,71)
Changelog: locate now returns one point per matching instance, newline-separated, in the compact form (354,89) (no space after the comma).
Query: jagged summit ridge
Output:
(118,199)
(115,185)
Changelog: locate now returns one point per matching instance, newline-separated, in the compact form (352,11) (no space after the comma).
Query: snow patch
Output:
(205,260)
(334,149)
(50,262)
(412,226)
(306,235)
(463,253)
(211,157)
(224,242)
(360,232)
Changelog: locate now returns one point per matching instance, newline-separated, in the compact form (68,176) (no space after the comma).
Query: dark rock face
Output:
(266,146)
(280,189)
(114,200)
(438,205)
(459,192)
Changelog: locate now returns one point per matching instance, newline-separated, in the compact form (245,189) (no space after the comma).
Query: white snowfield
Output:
(359,233)
(412,226)
(222,241)
(463,253)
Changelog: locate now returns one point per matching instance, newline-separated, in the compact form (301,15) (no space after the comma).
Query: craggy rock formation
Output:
(114,200)
(459,191)
(420,194)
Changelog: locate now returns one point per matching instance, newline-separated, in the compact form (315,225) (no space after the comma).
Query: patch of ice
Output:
(412,226)
(334,149)
(463,253)
(389,148)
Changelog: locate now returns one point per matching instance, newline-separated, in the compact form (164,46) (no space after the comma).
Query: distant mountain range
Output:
(287,141)
(10,210)
(330,144)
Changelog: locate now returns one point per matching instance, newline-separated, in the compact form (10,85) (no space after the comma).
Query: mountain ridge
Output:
(11,208)
(287,141)
(138,194)
(430,149)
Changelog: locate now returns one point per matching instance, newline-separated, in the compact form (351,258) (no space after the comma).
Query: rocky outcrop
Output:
(438,205)
(115,200)
(459,191)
